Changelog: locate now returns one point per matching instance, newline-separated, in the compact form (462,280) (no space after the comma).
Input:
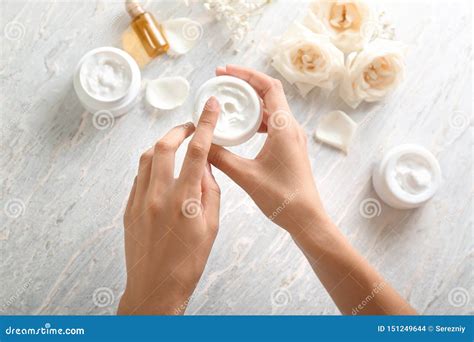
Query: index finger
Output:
(268,88)
(198,148)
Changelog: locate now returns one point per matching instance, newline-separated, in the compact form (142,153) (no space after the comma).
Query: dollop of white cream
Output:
(235,108)
(407,176)
(413,174)
(106,76)
(240,112)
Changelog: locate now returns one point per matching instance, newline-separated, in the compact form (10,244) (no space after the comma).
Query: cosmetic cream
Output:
(240,109)
(107,79)
(407,177)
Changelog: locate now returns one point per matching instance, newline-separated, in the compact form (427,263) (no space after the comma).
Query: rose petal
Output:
(336,129)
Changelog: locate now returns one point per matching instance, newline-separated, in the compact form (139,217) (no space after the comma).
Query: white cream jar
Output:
(241,111)
(407,177)
(107,79)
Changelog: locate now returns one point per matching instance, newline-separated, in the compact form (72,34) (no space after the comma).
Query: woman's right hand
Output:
(279,179)
(281,183)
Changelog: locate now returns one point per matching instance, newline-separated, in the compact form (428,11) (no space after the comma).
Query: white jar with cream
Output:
(107,79)
(241,111)
(407,177)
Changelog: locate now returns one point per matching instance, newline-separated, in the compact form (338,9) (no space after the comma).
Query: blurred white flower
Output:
(308,60)
(349,23)
(373,73)
(235,13)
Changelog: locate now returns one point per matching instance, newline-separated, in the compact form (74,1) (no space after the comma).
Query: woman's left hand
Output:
(171,224)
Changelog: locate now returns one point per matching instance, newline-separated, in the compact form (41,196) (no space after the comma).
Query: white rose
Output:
(373,73)
(308,60)
(350,24)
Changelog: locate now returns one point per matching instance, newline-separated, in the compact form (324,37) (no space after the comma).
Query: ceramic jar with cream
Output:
(240,109)
(407,176)
(107,79)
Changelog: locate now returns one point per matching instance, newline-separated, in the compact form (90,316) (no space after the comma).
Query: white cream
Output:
(107,79)
(407,176)
(413,174)
(240,109)
(106,76)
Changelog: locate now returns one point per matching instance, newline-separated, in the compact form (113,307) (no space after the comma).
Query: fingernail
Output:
(188,125)
(212,104)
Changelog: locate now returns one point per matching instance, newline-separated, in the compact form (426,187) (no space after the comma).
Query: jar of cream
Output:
(107,79)
(240,109)
(407,177)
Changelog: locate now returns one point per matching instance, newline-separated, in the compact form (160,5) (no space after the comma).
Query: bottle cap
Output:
(134,9)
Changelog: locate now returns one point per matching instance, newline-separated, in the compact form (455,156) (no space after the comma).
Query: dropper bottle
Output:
(147,29)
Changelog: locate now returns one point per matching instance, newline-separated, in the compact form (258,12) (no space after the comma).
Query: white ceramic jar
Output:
(107,79)
(407,176)
(241,111)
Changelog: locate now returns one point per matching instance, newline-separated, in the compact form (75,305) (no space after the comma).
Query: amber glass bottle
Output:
(147,29)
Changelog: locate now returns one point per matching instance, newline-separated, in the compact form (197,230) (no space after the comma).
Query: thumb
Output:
(237,168)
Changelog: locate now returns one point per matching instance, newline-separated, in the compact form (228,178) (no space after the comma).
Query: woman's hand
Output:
(171,224)
(279,179)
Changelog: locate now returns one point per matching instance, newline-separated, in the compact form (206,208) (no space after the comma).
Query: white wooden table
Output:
(65,183)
